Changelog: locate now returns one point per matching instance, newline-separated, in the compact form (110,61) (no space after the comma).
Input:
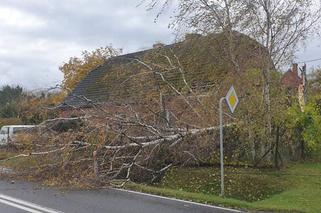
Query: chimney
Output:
(158,45)
(295,68)
(192,36)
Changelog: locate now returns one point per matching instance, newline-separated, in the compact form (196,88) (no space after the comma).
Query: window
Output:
(19,130)
(4,131)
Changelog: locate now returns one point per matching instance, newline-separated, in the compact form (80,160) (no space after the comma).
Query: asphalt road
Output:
(25,197)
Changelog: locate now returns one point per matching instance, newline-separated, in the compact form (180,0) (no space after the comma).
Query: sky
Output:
(37,36)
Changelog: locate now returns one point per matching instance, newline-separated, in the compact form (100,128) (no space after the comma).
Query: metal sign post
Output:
(232,101)
(221,146)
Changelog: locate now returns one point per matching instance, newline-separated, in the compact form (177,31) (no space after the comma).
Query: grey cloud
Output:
(95,21)
(311,51)
(31,56)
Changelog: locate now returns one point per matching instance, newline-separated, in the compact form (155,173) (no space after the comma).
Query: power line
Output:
(312,60)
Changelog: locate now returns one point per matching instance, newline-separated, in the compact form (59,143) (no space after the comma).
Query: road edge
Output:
(175,199)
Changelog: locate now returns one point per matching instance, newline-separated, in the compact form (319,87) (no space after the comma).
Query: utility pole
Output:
(302,89)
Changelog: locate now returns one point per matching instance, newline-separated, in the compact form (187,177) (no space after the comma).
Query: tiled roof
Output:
(91,87)
(203,54)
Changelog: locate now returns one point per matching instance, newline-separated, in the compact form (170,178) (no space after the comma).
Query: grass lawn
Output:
(295,189)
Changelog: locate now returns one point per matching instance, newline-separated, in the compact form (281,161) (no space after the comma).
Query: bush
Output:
(305,127)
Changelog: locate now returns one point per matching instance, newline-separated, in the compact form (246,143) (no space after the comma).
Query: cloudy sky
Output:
(36,36)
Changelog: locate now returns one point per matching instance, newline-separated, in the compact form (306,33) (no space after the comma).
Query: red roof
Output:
(291,78)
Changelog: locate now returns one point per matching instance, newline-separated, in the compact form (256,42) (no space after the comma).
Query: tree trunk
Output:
(302,150)
(267,100)
(276,150)
(267,111)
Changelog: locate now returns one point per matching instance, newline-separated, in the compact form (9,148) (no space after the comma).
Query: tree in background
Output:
(315,82)
(18,107)
(9,98)
(279,25)
(9,94)
(77,68)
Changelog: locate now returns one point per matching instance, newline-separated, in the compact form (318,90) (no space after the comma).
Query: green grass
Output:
(240,183)
(295,189)
(304,193)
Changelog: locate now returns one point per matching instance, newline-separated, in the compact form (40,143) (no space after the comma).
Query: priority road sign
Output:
(232,99)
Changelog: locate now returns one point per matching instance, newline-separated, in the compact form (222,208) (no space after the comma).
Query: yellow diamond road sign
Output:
(232,99)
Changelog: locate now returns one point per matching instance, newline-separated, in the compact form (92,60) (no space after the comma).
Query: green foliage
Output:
(10,110)
(9,94)
(306,124)
(9,98)
(252,135)
(315,82)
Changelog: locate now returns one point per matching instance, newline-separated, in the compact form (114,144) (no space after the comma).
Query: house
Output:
(295,84)
(127,78)
(136,92)
(291,78)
